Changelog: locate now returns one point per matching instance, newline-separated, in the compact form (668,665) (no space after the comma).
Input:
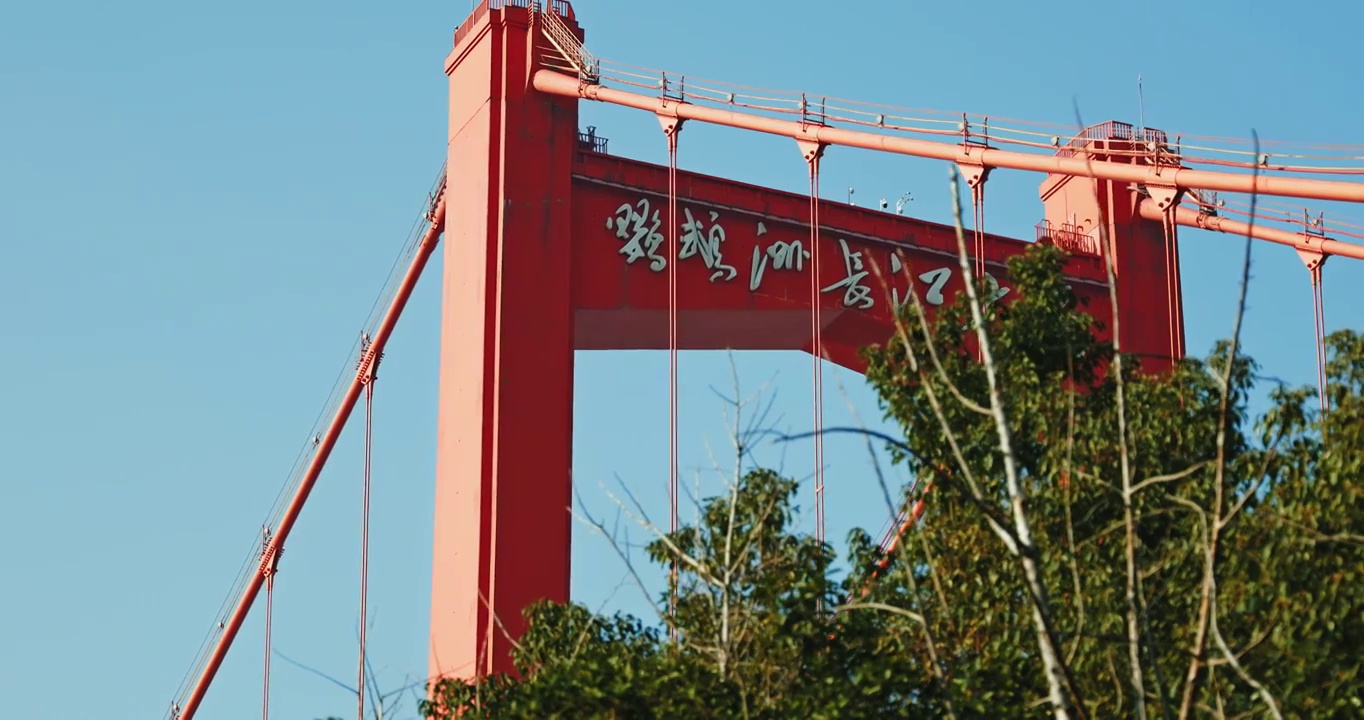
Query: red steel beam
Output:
(556,83)
(326,444)
(1193,218)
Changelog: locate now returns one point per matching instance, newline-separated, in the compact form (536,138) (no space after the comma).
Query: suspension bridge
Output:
(554,244)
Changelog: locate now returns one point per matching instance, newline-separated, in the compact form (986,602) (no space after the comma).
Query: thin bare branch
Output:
(1058,675)
(869,605)
(1271,452)
(925,329)
(1170,477)
(583,515)
(973,493)
(1066,480)
(895,442)
(378,700)
(939,667)
(871,450)
(1260,689)
(314,671)
(1316,536)
(1207,599)
(1130,538)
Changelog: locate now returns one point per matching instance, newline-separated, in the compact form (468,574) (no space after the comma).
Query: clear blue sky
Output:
(198,203)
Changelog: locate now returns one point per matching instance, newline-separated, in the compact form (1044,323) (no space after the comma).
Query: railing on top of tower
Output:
(1114,130)
(569,46)
(1150,143)
(552,27)
(557,7)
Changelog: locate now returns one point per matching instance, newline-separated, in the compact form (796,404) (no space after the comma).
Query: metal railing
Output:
(568,44)
(1070,238)
(1114,130)
(559,8)
(589,140)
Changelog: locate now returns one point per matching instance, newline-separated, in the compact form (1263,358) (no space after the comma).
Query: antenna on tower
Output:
(1141,106)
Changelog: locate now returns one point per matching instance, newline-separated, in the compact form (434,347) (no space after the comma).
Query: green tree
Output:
(1098,542)
(757,639)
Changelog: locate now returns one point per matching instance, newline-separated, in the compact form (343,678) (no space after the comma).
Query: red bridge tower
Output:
(552,245)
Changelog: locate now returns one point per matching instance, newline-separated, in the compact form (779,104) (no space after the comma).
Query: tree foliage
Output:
(1241,538)
(756,640)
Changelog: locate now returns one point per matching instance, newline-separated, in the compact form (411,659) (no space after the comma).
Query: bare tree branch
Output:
(891,506)
(1207,599)
(1134,630)
(924,328)
(938,666)
(1058,675)
(1271,452)
(1170,477)
(580,511)
(870,605)
(1066,480)
(1245,676)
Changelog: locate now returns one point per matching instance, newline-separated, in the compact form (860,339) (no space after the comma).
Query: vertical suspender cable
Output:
(1172,309)
(1178,297)
(978,204)
(268,562)
(969,141)
(670,130)
(269,619)
(976,175)
(370,377)
(1319,319)
(817,347)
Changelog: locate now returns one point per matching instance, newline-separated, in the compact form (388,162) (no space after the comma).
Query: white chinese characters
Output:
(703,235)
(697,239)
(633,224)
(780,255)
(639,228)
(856,293)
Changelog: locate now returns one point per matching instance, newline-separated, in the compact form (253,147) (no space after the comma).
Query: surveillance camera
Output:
(884,204)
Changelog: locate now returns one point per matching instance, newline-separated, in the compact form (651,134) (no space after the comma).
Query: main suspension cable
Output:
(1048,137)
(1062,162)
(243,596)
